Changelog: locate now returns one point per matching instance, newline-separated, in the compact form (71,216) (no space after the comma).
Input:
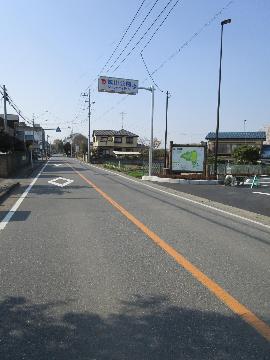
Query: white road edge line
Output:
(261,193)
(15,207)
(186,199)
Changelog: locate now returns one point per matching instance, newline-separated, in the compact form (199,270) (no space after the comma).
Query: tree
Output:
(246,154)
(146,142)
(67,148)
(58,146)
(81,141)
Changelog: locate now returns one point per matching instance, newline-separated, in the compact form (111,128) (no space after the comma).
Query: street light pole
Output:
(245,131)
(166,129)
(224,22)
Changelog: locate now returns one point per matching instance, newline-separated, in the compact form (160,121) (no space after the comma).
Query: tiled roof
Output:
(254,135)
(121,132)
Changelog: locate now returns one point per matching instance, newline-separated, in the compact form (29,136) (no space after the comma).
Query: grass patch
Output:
(134,171)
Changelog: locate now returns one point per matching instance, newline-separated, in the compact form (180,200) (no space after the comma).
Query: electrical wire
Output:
(186,43)
(149,74)
(15,107)
(122,38)
(119,43)
(148,42)
(134,34)
(143,36)
(160,25)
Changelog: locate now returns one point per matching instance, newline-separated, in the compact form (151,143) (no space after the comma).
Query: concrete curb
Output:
(181,181)
(27,173)
(7,190)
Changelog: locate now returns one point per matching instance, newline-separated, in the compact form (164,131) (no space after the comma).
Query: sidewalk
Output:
(8,184)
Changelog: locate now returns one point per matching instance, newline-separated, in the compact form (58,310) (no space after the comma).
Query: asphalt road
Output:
(108,268)
(256,200)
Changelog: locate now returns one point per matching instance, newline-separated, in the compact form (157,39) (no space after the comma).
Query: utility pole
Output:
(33,134)
(166,128)
(89,121)
(89,126)
(5,108)
(71,136)
(47,147)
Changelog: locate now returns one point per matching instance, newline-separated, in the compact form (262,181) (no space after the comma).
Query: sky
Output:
(53,50)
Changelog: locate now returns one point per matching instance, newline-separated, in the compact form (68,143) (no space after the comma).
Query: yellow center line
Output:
(239,309)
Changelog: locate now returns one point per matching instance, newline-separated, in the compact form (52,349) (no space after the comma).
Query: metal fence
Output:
(157,168)
(224,169)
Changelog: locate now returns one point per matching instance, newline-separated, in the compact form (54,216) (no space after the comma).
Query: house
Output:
(9,140)
(32,136)
(228,141)
(107,141)
(265,154)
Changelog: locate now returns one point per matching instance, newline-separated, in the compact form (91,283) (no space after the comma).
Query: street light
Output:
(224,22)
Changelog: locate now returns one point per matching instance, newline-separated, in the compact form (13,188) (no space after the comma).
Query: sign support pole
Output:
(152,89)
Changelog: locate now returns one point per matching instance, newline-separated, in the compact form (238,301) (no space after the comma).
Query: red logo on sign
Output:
(103,81)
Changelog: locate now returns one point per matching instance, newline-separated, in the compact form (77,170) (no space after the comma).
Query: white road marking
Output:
(57,183)
(15,207)
(186,199)
(261,193)
(57,165)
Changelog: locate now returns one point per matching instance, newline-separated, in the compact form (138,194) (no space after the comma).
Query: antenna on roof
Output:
(122,113)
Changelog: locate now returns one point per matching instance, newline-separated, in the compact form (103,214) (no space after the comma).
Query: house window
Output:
(118,140)
(129,140)
(106,151)
(103,139)
(224,148)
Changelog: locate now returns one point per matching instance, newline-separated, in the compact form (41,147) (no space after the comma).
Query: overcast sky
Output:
(52,50)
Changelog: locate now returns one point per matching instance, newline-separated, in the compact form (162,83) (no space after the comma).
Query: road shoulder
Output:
(207,203)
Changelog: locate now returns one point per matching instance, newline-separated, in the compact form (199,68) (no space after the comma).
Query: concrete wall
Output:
(9,163)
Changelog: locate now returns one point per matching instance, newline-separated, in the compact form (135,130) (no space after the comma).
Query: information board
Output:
(188,158)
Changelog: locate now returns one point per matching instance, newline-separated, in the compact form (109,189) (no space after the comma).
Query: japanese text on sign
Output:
(116,85)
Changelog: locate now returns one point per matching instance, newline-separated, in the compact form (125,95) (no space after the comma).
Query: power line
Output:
(148,42)
(186,43)
(122,38)
(150,75)
(211,20)
(142,37)
(15,107)
(160,25)
(134,34)
(117,46)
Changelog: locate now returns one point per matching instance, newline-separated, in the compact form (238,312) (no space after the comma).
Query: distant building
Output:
(228,141)
(107,141)
(267,131)
(34,137)
(9,139)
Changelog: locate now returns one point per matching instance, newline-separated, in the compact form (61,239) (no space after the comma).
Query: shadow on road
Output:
(146,328)
(19,215)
